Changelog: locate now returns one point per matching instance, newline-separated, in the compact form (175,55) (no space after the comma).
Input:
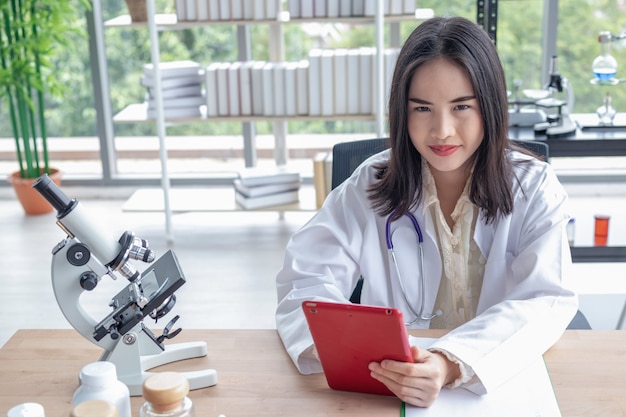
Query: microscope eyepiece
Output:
(53,194)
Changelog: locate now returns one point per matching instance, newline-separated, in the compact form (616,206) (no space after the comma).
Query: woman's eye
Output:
(462,107)
(421,109)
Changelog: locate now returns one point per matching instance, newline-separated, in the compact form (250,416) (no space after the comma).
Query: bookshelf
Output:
(137,112)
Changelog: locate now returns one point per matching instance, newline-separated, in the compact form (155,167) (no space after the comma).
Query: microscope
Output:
(86,255)
(557,123)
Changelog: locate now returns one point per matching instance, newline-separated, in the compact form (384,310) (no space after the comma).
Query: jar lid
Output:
(165,389)
(98,374)
(27,410)
(94,408)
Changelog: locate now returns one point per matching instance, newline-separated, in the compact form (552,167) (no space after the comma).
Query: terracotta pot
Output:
(32,202)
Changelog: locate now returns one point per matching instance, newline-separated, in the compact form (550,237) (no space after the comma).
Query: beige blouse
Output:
(463,263)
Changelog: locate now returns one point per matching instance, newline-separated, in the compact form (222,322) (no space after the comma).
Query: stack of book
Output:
(258,188)
(307,9)
(181,87)
(206,10)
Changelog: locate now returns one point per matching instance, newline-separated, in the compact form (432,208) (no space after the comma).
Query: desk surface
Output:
(256,377)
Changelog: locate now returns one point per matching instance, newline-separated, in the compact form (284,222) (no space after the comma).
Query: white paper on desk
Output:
(529,394)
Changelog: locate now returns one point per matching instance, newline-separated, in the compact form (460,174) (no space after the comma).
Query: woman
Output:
(493,222)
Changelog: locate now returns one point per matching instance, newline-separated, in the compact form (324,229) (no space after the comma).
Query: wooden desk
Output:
(257,378)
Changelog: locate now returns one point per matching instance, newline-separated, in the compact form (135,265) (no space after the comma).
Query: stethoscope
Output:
(419,315)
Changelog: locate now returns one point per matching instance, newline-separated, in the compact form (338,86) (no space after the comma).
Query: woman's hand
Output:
(416,383)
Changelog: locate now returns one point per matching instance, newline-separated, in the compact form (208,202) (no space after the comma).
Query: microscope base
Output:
(131,365)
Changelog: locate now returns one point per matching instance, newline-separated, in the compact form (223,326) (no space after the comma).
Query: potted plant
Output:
(30,33)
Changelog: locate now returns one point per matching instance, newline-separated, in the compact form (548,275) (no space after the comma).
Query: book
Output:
(173,69)
(234,105)
(340,76)
(302,85)
(236,9)
(222,89)
(192,101)
(319,8)
(255,176)
(278,91)
(256,75)
(390,57)
(176,112)
(271,9)
(315,68)
(366,80)
(202,9)
(408,7)
(332,9)
(224,13)
(262,190)
(345,8)
(210,75)
(191,12)
(268,89)
(184,91)
(245,88)
(248,9)
(291,88)
(294,9)
(327,83)
(214,9)
(180,10)
(358,7)
(306,9)
(258,12)
(250,203)
(396,7)
(167,83)
(353,85)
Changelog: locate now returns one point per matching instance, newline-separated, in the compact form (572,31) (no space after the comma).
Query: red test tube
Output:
(601,230)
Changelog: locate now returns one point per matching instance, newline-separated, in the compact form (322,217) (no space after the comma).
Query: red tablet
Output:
(350,336)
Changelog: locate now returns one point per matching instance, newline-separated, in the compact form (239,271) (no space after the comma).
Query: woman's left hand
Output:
(416,383)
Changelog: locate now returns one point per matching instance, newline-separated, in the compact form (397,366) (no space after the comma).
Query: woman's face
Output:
(444,120)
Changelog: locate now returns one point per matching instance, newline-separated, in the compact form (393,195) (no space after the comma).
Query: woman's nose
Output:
(442,126)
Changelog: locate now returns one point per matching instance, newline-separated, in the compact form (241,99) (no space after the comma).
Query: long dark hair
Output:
(468,45)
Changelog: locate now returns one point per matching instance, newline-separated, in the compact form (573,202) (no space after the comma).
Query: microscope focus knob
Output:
(88,280)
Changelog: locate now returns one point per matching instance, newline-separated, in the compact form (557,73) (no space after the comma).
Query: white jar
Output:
(27,410)
(98,381)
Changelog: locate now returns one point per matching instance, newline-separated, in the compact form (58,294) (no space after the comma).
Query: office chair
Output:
(347,156)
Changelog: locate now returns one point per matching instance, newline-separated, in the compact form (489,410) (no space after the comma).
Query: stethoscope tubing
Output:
(419,315)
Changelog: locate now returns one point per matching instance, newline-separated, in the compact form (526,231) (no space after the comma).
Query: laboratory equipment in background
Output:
(604,68)
(80,261)
(545,110)
(523,111)
(558,121)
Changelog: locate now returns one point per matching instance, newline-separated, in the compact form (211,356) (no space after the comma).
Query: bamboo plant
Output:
(30,33)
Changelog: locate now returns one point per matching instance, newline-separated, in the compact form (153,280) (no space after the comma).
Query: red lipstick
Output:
(444,150)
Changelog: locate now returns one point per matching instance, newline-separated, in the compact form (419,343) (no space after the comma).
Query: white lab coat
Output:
(524,304)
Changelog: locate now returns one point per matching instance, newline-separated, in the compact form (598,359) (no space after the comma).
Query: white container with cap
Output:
(98,381)
(27,410)
(94,408)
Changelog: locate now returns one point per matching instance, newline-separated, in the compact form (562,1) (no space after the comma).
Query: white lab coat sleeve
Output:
(525,304)
(322,263)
